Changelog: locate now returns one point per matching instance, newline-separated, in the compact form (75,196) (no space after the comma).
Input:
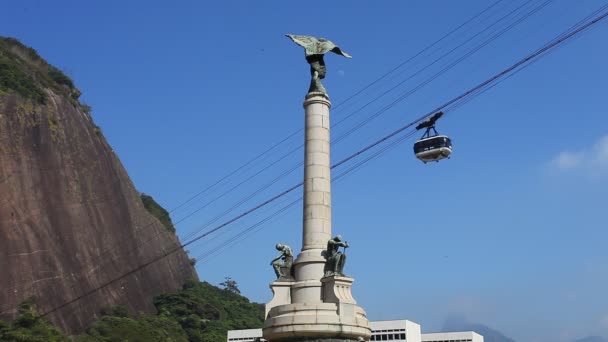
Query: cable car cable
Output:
(300,130)
(342,161)
(338,105)
(270,149)
(341,103)
(284,156)
(394,69)
(205,256)
(361,124)
(515,72)
(435,61)
(480,86)
(401,129)
(445,69)
(335,180)
(405,95)
(383,76)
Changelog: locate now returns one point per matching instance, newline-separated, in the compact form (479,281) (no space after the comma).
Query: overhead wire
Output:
(399,140)
(225,212)
(400,65)
(234,187)
(528,15)
(515,72)
(428,47)
(521,62)
(265,152)
(341,103)
(519,20)
(273,147)
(394,87)
(469,53)
(205,256)
(251,161)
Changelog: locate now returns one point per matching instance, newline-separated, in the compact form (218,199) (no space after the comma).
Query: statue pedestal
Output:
(281,294)
(337,289)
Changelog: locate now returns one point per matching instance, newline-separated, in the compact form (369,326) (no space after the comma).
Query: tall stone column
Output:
(317,200)
(317,173)
(309,305)
(314,307)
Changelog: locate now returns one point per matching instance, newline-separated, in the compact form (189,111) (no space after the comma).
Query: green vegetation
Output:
(13,78)
(97,131)
(157,211)
(24,72)
(145,329)
(200,312)
(206,312)
(59,77)
(30,327)
(230,285)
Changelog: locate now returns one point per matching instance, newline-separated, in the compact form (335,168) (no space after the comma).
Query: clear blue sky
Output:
(511,232)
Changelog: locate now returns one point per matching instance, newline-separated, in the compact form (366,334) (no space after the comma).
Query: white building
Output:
(245,335)
(465,336)
(396,330)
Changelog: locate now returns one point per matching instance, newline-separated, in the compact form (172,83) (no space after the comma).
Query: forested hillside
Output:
(200,312)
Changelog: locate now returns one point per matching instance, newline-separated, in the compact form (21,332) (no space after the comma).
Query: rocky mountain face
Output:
(70,218)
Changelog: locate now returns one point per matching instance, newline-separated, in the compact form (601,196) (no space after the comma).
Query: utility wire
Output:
(404,96)
(383,76)
(515,72)
(476,16)
(417,54)
(219,249)
(536,9)
(469,53)
(273,147)
(401,129)
(208,203)
(252,195)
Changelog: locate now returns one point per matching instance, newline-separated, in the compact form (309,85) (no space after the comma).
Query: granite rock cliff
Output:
(70,217)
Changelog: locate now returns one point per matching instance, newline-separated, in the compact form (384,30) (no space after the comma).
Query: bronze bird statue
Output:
(314,49)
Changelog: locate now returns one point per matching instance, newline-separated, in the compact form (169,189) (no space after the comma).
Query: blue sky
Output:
(511,232)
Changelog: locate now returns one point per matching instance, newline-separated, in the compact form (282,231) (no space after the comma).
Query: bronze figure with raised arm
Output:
(335,260)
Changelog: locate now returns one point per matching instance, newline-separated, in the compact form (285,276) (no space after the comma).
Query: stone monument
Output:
(316,304)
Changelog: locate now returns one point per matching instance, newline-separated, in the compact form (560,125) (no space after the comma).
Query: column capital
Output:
(317,97)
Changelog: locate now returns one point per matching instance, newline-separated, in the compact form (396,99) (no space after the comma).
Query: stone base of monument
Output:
(281,294)
(336,318)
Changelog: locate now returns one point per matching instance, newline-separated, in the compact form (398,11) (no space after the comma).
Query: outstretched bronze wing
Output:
(314,46)
(307,42)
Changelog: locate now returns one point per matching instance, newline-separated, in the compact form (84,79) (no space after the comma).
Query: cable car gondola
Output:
(432,147)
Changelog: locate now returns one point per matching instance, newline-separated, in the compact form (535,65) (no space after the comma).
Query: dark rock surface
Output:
(71,219)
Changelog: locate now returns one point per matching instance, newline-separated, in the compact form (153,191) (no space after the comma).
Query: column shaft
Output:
(317,174)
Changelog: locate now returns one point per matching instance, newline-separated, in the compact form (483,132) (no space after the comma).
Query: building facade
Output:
(464,336)
(395,330)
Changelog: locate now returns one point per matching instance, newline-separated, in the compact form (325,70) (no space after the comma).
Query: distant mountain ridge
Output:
(592,339)
(459,323)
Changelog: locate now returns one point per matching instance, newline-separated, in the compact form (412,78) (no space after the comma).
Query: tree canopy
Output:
(200,312)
